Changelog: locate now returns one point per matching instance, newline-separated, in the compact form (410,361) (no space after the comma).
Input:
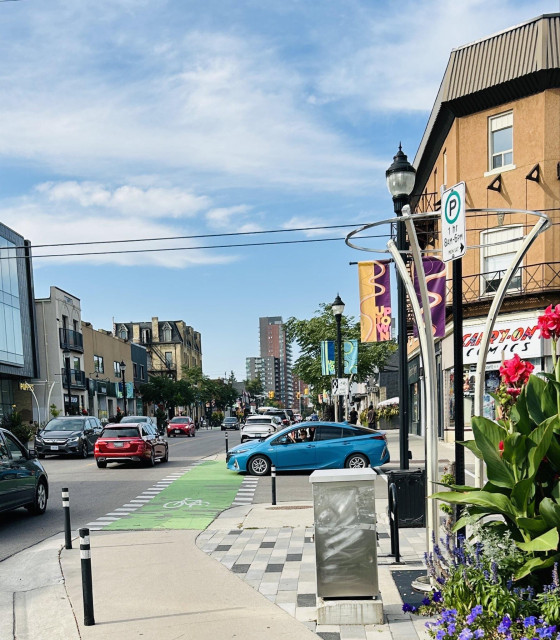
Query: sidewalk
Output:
(249,575)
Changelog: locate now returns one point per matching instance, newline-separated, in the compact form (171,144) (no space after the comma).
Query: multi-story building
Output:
(273,344)
(170,345)
(61,355)
(495,125)
(19,361)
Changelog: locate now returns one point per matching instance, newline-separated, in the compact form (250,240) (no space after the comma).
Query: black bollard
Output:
(87,586)
(273,478)
(226,441)
(67,528)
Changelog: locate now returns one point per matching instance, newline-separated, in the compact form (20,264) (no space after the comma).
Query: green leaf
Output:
(533,525)
(488,435)
(550,512)
(535,564)
(515,449)
(541,399)
(471,446)
(541,437)
(494,502)
(553,453)
(521,493)
(547,542)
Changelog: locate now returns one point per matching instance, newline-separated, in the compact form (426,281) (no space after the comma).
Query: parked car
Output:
(130,442)
(297,417)
(181,425)
(311,445)
(230,423)
(68,435)
(280,413)
(256,427)
(138,419)
(23,480)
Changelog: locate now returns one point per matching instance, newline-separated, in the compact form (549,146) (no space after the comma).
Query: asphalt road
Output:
(95,492)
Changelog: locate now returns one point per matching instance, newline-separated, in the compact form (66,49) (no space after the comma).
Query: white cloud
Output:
(225,217)
(300,222)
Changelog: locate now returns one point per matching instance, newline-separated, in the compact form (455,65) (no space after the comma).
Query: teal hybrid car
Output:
(311,445)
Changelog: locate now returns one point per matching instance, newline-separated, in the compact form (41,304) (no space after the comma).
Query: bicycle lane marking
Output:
(191,502)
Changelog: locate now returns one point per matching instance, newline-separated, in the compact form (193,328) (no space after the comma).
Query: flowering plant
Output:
(521,452)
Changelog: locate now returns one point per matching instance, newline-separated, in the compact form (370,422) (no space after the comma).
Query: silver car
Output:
(257,427)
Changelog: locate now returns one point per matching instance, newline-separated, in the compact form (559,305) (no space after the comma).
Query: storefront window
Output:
(11,340)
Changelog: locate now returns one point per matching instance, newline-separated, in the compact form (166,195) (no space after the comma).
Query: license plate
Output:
(177,430)
(118,444)
(54,447)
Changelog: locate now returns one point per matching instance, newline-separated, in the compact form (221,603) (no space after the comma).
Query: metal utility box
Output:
(411,496)
(345,533)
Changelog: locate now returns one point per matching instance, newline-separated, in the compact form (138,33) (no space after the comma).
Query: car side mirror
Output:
(32,453)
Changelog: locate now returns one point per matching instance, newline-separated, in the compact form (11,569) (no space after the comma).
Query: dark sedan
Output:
(69,435)
(23,480)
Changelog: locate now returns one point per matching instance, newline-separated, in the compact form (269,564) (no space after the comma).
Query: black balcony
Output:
(70,339)
(77,379)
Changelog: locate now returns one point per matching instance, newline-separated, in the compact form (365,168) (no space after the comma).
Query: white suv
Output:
(259,427)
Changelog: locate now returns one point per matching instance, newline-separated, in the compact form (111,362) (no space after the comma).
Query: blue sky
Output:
(132,119)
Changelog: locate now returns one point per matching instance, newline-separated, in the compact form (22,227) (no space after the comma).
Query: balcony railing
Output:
(530,279)
(77,379)
(70,339)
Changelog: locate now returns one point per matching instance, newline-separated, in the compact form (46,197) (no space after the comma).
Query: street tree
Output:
(308,334)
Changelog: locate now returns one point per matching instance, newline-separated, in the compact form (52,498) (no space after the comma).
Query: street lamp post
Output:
(66,355)
(401,176)
(123,369)
(338,309)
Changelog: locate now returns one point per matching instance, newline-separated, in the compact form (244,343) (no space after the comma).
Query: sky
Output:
(136,119)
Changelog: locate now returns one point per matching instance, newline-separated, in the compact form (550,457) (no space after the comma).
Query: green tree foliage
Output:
(308,335)
(254,387)
(159,390)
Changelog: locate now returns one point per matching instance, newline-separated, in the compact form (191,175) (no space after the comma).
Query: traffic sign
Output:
(453,223)
(340,386)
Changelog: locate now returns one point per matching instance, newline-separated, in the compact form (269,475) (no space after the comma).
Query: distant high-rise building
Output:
(276,354)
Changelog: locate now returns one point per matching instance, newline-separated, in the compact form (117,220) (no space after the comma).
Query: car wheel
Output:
(39,505)
(84,451)
(166,455)
(356,461)
(193,434)
(259,466)
(101,464)
(152,460)
(243,439)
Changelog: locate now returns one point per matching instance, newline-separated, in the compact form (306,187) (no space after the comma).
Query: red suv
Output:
(130,443)
(181,425)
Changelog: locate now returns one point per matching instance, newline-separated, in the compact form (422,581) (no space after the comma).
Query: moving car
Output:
(68,435)
(23,480)
(230,423)
(181,425)
(256,427)
(311,445)
(139,442)
(279,413)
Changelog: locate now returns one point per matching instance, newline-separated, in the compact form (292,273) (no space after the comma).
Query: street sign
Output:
(340,386)
(453,223)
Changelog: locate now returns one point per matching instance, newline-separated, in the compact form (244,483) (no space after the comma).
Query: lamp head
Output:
(401,175)
(123,365)
(337,306)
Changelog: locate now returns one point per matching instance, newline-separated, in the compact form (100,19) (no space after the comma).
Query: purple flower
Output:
(555,581)
(449,615)
(466,634)
(437,597)
(426,601)
(529,621)
(546,632)
(451,628)
(504,625)
(479,633)
(475,612)
(408,607)
(440,634)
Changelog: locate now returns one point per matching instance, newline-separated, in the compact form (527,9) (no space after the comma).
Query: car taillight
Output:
(96,448)
(379,436)
(140,444)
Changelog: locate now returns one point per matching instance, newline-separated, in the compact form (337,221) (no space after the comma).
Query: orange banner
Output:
(375,300)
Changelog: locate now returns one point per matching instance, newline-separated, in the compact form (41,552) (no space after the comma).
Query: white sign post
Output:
(340,386)
(453,223)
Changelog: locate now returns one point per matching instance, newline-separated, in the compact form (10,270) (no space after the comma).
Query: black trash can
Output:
(411,496)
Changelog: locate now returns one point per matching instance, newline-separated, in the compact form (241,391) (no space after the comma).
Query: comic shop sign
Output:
(508,338)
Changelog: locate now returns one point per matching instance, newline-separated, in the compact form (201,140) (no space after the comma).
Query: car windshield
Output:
(180,420)
(230,420)
(258,421)
(129,419)
(120,432)
(65,425)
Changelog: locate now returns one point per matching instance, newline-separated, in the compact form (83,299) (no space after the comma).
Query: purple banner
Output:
(435,271)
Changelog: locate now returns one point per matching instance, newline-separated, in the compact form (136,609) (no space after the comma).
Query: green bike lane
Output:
(191,502)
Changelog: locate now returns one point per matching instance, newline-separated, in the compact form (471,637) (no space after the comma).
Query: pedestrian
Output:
(371,417)
(353,416)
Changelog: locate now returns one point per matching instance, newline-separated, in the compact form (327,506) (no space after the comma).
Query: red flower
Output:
(549,323)
(516,371)
(501,446)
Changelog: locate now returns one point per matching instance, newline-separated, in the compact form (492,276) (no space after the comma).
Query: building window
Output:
(499,247)
(123,332)
(135,370)
(11,337)
(117,368)
(142,375)
(146,336)
(169,359)
(166,333)
(500,133)
(98,365)
(77,366)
